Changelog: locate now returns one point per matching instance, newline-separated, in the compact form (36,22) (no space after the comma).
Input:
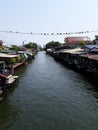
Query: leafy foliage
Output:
(31,45)
(52,44)
(12,60)
(14,47)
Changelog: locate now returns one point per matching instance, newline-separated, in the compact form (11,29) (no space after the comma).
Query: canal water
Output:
(49,96)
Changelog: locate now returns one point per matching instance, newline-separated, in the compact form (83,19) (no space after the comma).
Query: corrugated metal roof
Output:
(85,55)
(7,51)
(93,57)
(90,56)
(91,46)
(72,51)
(3,55)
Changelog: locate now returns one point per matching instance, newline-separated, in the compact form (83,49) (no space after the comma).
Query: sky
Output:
(46,16)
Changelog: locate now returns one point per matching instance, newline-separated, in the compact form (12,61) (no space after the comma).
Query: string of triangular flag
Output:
(31,33)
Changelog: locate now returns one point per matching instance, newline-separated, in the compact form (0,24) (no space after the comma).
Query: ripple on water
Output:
(49,96)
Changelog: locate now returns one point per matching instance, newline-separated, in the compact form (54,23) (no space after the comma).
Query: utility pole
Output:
(23,43)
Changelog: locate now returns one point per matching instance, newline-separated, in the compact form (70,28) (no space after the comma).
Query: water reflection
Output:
(8,114)
(49,96)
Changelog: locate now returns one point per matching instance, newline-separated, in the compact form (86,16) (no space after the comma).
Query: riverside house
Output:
(74,42)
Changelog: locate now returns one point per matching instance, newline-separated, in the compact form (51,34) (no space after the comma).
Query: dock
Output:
(11,79)
(17,65)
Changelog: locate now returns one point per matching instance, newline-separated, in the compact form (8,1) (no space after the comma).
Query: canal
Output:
(49,96)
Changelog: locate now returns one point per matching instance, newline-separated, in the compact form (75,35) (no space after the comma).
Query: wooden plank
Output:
(15,77)
(11,79)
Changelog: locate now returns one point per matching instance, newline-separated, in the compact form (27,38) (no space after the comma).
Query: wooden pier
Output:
(11,79)
(6,81)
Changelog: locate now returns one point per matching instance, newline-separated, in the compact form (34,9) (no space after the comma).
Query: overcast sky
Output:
(46,16)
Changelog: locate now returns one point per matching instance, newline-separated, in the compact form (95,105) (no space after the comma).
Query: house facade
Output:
(77,41)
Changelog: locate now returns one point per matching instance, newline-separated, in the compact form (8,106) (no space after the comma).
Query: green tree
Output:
(95,41)
(14,47)
(19,58)
(12,61)
(53,44)
(82,44)
(31,45)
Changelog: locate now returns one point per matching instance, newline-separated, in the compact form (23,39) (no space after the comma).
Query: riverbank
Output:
(47,96)
(81,60)
(8,65)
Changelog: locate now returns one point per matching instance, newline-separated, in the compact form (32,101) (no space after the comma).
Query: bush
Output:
(19,58)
